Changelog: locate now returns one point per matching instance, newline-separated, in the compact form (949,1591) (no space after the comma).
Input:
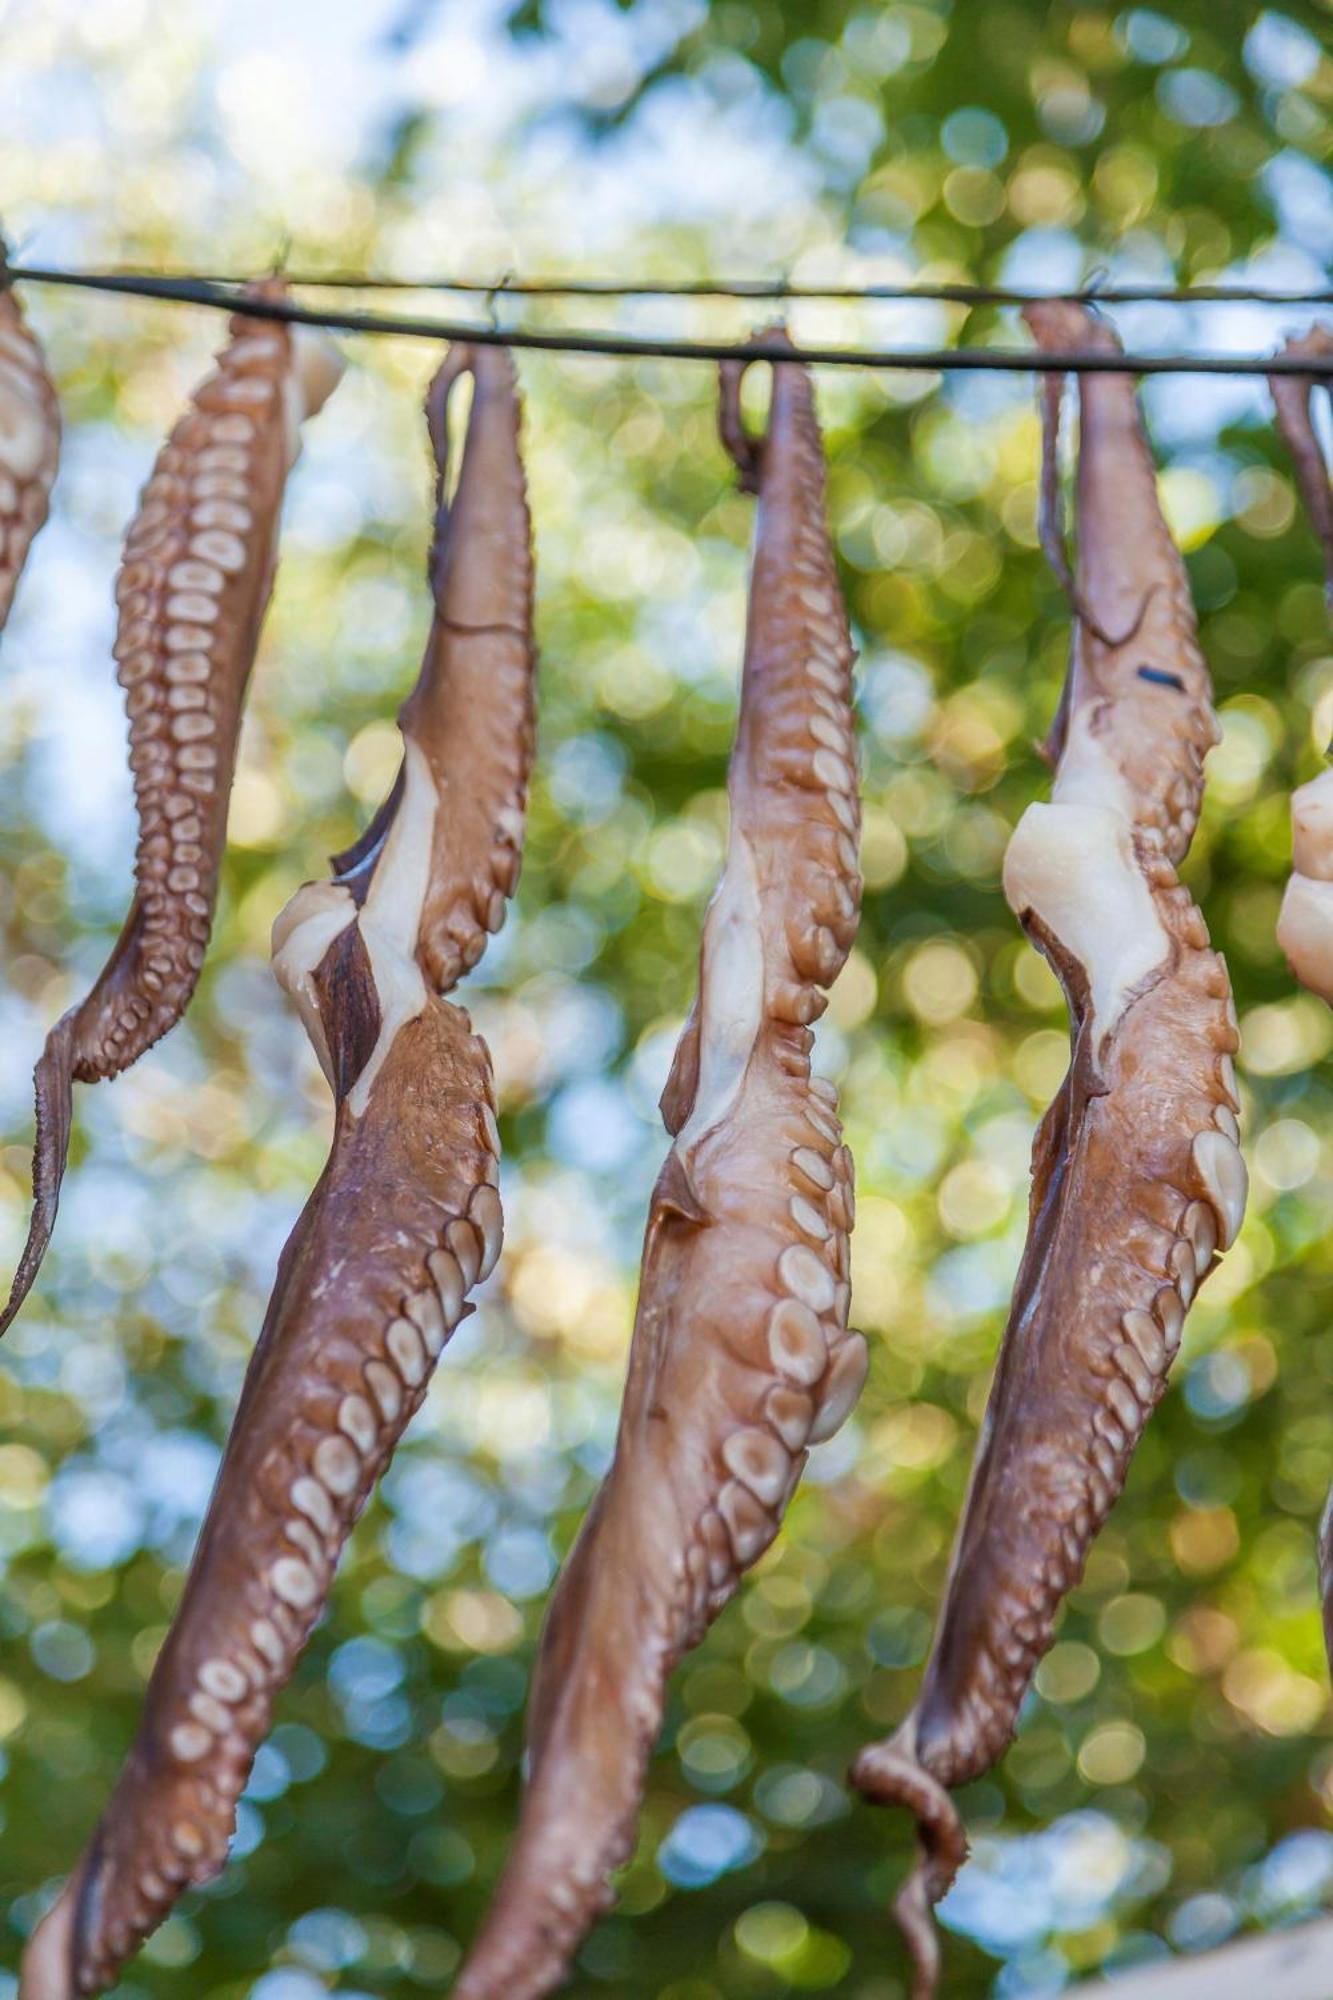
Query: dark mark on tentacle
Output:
(1161,678)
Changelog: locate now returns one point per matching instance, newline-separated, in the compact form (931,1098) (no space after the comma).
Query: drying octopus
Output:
(1291,400)
(29,444)
(741,1358)
(1137,1177)
(1305,923)
(404,1222)
(191,593)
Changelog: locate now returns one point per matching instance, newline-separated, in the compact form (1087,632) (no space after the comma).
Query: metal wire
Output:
(774,288)
(228,298)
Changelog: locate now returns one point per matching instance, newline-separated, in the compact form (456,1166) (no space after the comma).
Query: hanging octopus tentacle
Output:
(29,443)
(1051,529)
(1305,933)
(1137,1179)
(741,1358)
(404,1222)
(192,589)
(1305,922)
(1291,400)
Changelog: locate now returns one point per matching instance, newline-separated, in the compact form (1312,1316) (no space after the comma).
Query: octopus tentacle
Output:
(1291,401)
(1050,514)
(1305,933)
(404,1222)
(741,1358)
(1305,922)
(1137,1179)
(471,711)
(192,589)
(29,444)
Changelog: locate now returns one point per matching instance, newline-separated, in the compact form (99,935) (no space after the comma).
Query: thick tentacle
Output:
(741,1358)
(1291,400)
(408,1216)
(471,712)
(193,586)
(29,444)
(1137,1177)
(404,1222)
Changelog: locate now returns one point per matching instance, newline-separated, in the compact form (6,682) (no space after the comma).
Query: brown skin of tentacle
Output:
(28,473)
(1133,581)
(177,688)
(1291,400)
(656,1559)
(471,711)
(395,1179)
(403,1222)
(1122,1220)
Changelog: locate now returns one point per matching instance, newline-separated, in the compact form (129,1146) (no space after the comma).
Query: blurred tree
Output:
(1172,1780)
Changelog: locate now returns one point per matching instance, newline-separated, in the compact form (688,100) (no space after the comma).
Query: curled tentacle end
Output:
(457,361)
(745,452)
(489,367)
(890,1774)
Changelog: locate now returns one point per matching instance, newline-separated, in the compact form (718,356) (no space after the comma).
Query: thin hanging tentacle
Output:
(740,1358)
(29,443)
(1137,1179)
(193,586)
(1292,396)
(405,1221)
(1051,528)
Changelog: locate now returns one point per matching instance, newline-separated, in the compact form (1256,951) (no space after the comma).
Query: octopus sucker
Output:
(741,1357)
(193,586)
(29,444)
(1137,1180)
(406,1216)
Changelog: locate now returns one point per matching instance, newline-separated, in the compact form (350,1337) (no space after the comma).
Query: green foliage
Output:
(1179,1732)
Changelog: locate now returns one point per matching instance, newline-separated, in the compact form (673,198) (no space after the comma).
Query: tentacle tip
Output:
(456,362)
(30,1263)
(914,1909)
(46,1971)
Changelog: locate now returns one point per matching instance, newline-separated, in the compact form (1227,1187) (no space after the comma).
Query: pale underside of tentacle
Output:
(1305,933)
(1305,923)
(741,1358)
(1137,1177)
(1292,398)
(29,444)
(405,1221)
(191,593)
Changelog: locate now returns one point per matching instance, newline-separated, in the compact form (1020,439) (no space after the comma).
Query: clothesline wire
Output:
(227,297)
(508,284)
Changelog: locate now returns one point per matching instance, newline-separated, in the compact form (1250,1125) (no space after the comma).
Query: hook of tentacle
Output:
(1292,396)
(1050,523)
(891,1774)
(746,452)
(461,359)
